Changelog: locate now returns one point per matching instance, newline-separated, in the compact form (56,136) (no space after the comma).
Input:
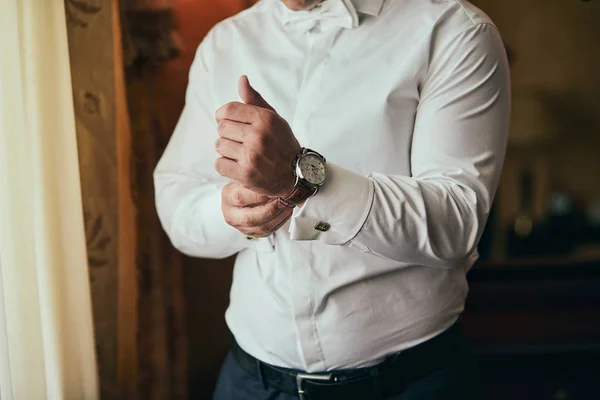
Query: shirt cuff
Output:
(264,244)
(337,212)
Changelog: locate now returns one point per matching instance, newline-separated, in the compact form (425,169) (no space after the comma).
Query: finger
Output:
(250,96)
(229,168)
(236,195)
(230,149)
(253,217)
(272,225)
(236,111)
(234,130)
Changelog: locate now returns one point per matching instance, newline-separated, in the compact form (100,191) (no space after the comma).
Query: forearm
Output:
(434,222)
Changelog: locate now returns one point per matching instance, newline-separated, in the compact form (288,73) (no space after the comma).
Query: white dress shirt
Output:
(409,102)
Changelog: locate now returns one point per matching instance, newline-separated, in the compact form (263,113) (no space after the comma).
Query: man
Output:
(353,178)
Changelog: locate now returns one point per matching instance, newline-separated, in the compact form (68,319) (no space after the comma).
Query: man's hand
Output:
(250,213)
(256,144)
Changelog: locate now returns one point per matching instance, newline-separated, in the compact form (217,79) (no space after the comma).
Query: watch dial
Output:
(313,169)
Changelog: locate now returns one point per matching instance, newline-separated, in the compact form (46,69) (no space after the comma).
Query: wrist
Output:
(310,172)
(289,183)
(287,187)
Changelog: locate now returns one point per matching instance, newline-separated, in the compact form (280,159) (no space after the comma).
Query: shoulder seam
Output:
(470,15)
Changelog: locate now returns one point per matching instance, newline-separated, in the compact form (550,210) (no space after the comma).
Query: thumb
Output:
(251,96)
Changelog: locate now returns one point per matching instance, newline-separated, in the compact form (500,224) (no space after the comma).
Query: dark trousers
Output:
(457,380)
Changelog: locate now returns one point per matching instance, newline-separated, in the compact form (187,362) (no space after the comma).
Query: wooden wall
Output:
(104,151)
(135,273)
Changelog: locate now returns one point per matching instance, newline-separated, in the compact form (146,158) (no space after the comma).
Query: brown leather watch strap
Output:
(297,196)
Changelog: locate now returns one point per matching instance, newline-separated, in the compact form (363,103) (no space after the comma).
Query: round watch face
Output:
(313,169)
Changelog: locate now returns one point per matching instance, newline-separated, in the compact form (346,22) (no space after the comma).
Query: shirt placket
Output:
(302,282)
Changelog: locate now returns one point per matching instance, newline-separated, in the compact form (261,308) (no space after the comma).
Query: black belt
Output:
(389,378)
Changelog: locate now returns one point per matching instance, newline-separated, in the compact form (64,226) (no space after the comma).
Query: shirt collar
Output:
(370,7)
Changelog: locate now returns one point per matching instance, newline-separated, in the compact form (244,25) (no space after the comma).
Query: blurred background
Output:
(533,314)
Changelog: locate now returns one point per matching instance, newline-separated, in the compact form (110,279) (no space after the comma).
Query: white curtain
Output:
(46,336)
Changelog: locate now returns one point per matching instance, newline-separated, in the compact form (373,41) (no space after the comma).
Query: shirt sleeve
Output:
(188,189)
(435,216)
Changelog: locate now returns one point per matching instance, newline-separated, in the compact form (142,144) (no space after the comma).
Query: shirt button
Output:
(322,226)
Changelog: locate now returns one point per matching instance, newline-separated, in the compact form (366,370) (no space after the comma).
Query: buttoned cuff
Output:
(265,244)
(338,211)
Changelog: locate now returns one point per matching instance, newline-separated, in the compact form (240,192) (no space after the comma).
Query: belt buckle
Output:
(300,378)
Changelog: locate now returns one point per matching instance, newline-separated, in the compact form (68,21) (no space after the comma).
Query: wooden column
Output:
(104,142)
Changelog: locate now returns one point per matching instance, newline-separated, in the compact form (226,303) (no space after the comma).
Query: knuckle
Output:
(262,121)
(238,198)
(256,142)
(227,216)
(230,107)
(268,117)
(261,143)
(218,166)
(246,164)
(257,131)
(253,157)
(221,126)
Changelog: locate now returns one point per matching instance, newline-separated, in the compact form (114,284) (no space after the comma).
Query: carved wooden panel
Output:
(91,51)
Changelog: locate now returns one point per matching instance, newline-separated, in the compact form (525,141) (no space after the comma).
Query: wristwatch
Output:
(310,171)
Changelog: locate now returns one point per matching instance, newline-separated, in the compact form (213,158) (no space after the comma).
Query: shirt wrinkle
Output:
(414,132)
